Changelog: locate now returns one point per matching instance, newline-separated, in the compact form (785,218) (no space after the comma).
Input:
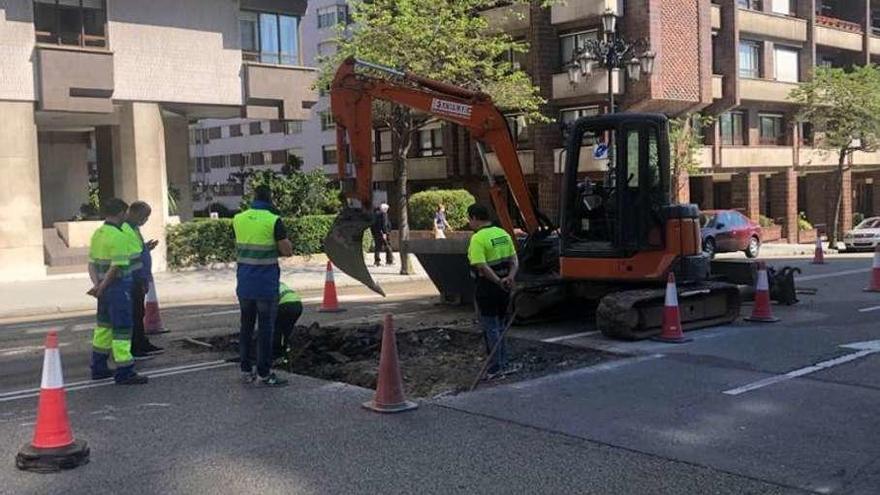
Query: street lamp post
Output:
(611,52)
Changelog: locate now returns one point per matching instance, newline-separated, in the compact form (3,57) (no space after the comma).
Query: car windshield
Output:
(707,220)
(869,223)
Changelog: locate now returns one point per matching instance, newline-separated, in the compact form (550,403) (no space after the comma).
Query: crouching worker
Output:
(110,252)
(290,308)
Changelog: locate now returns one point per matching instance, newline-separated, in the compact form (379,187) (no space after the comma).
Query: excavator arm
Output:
(354,88)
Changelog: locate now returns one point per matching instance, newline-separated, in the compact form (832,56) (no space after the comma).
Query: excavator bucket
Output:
(344,246)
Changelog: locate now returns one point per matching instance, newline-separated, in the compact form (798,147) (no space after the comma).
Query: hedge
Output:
(423,205)
(201,243)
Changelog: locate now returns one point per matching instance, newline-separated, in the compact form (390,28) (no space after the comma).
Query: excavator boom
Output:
(354,88)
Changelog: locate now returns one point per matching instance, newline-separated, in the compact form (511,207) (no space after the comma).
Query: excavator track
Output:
(638,314)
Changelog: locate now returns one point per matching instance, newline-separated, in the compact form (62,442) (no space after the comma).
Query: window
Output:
(332,15)
(257,158)
(749,59)
(771,129)
(383,145)
(328,154)
(517,126)
(806,133)
(218,161)
(569,115)
(568,43)
(781,7)
(276,126)
(215,133)
(431,142)
(269,38)
(293,127)
(327,121)
(875,21)
(235,130)
(787,67)
(279,157)
(749,4)
(256,128)
(71,22)
(236,160)
(732,128)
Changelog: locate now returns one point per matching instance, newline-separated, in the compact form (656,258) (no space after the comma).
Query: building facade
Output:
(117,83)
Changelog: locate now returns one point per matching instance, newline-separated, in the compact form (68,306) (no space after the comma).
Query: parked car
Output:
(865,235)
(728,231)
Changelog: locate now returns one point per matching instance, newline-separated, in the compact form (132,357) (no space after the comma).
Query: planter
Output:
(770,234)
(807,236)
(77,234)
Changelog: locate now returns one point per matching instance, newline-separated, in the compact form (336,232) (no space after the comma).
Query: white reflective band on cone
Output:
(762,281)
(876,259)
(329,275)
(671,295)
(52,370)
(151,293)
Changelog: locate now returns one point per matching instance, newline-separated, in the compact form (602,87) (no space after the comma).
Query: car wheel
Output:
(753,248)
(709,247)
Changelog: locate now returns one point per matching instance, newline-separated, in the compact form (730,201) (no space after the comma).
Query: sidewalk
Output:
(67,294)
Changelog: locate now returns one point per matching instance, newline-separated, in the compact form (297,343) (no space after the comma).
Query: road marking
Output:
(80,327)
(86,384)
(13,351)
(831,275)
(865,349)
(872,308)
(571,336)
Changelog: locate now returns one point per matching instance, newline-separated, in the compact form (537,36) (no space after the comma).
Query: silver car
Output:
(865,235)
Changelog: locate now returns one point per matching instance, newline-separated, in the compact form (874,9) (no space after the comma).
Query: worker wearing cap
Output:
(110,255)
(494,264)
(260,238)
(290,308)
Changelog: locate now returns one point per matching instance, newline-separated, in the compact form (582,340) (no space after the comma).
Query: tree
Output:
(844,109)
(685,141)
(295,193)
(443,40)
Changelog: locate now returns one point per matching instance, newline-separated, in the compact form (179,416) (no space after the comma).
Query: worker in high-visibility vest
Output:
(141,273)
(110,255)
(290,308)
(260,238)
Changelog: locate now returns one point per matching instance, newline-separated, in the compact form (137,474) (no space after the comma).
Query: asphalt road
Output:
(663,419)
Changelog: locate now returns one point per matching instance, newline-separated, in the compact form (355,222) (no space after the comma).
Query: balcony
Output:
(526,162)
(717,86)
(279,92)
(507,18)
(816,157)
(75,79)
(772,25)
(596,84)
(874,45)
(573,10)
(421,168)
(703,157)
(838,33)
(862,158)
(716,16)
(750,156)
(764,90)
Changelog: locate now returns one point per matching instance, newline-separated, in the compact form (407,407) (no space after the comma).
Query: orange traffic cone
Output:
(672,332)
(875,273)
(331,302)
(762,312)
(819,256)
(389,396)
(53,447)
(152,321)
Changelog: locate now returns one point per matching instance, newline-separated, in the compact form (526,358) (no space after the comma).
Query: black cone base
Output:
(37,460)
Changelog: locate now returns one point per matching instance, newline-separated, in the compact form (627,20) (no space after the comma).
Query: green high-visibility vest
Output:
(287,295)
(110,246)
(255,237)
(137,247)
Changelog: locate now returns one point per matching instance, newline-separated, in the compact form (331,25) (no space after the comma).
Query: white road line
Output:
(872,308)
(571,336)
(831,275)
(85,384)
(866,349)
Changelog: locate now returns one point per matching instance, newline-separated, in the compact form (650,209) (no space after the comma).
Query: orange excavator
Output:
(617,239)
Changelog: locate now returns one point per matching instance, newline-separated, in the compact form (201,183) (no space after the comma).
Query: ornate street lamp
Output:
(612,52)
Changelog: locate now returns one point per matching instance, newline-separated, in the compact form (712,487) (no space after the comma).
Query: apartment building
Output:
(224,150)
(118,82)
(733,60)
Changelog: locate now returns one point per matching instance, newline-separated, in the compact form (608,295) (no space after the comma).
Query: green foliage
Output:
(423,205)
(686,140)
(173,198)
(803,223)
(296,193)
(766,222)
(90,210)
(201,243)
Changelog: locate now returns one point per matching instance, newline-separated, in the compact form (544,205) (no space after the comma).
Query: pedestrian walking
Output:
(290,308)
(260,238)
(381,230)
(494,265)
(440,223)
(141,265)
(110,255)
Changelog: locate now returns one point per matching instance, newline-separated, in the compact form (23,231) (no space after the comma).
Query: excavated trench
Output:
(433,361)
